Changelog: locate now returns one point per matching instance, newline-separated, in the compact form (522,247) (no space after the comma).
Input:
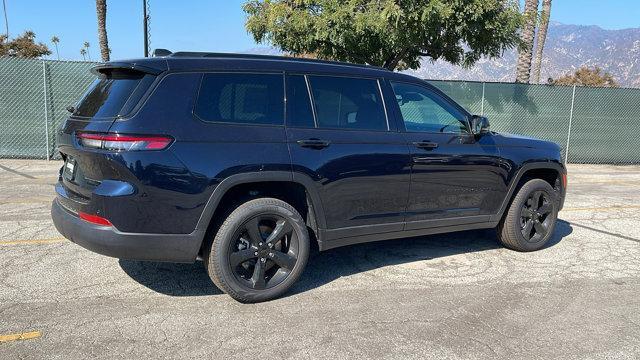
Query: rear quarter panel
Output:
(175,184)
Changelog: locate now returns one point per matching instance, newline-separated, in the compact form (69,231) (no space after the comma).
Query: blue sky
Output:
(214,25)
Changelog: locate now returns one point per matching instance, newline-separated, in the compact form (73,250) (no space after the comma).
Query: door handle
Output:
(428,145)
(314,143)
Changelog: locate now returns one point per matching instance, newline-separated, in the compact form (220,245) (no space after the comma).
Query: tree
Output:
(83,52)
(23,46)
(542,38)
(101,11)
(392,34)
(55,40)
(523,69)
(86,46)
(585,76)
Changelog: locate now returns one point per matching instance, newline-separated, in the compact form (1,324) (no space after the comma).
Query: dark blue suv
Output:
(245,161)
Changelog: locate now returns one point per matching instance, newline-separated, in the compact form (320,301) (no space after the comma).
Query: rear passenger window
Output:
(348,103)
(299,111)
(241,98)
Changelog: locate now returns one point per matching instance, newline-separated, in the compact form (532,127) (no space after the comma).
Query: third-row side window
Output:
(241,98)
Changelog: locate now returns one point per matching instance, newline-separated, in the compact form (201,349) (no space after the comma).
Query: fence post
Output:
(573,99)
(482,102)
(46,108)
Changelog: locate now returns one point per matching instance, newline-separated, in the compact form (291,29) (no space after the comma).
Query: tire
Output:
(273,230)
(528,225)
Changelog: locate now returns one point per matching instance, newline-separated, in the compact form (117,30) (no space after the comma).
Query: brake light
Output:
(564,181)
(112,141)
(94,219)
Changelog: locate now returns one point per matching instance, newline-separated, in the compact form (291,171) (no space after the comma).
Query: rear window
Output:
(242,98)
(299,111)
(109,93)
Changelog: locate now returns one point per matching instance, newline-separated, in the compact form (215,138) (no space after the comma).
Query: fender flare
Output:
(516,180)
(262,176)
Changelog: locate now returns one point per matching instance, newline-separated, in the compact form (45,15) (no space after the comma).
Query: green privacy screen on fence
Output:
(596,125)
(34,95)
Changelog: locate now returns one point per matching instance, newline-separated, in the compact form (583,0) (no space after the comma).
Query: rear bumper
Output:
(108,241)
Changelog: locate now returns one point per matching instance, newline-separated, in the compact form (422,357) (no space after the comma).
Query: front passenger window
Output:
(424,111)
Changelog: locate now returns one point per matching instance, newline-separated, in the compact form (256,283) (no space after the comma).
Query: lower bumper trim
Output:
(108,241)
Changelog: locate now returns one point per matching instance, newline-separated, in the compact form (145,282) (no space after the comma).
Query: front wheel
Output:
(531,218)
(259,251)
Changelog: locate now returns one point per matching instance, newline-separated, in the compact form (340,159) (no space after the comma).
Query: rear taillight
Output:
(94,219)
(112,141)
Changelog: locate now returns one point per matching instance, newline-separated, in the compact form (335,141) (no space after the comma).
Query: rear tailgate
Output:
(114,94)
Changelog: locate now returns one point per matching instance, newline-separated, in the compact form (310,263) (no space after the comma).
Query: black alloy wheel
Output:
(530,220)
(534,216)
(259,251)
(265,251)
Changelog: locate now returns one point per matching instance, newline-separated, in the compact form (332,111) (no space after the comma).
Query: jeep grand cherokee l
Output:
(244,160)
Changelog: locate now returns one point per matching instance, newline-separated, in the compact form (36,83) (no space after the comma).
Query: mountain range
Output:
(568,47)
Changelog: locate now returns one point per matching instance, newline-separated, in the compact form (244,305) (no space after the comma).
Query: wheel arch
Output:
(315,217)
(535,170)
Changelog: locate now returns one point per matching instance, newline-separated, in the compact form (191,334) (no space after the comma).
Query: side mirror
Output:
(479,125)
(410,97)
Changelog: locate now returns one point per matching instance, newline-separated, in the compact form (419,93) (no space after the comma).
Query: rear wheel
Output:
(259,251)
(531,218)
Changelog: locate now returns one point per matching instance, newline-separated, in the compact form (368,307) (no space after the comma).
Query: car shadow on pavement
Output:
(170,278)
(327,266)
(192,279)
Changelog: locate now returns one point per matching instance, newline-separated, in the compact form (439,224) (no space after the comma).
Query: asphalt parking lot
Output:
(455,296)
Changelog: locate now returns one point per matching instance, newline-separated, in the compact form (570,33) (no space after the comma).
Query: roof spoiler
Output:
(103,68)
(160,52)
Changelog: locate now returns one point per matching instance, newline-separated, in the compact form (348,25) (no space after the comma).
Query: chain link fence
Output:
(592,125)
(34,95)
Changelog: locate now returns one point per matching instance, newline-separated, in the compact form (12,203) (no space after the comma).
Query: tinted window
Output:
(108,94)
(299,112)
(348,103)
(241,98)
(424,111)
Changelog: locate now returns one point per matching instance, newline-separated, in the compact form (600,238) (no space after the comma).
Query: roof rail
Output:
(266,57)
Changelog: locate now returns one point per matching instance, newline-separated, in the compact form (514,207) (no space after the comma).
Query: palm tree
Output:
(6,21)
(101,11)
(542,37)
(523,69)
(83,52)
(55,40)
(86,46)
